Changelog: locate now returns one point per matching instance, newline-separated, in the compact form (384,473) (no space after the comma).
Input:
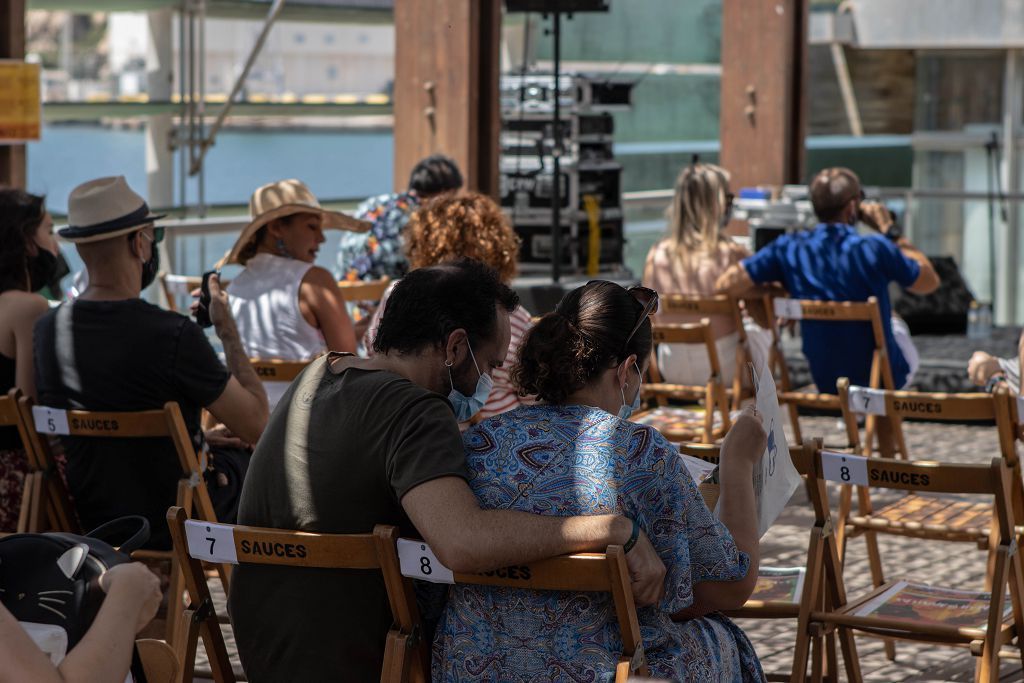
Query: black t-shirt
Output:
(125,355)
(340,451)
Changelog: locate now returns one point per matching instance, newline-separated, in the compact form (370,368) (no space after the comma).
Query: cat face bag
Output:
(50,582)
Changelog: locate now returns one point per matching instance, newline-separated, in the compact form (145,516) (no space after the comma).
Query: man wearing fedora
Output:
(110,350)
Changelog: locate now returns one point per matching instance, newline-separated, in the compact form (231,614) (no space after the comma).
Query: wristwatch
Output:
(894,233)
(994,381)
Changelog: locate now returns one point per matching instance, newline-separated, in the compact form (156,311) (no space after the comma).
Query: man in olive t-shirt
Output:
(359,442)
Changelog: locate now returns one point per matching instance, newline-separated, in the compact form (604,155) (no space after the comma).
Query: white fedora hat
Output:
(286,198)
(104,208)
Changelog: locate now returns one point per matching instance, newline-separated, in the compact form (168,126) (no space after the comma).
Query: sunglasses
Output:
(158,235)
(649,299)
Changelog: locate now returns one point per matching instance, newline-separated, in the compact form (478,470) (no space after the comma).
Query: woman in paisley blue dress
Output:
(576,454)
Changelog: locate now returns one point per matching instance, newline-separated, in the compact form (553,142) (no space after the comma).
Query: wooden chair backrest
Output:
(364,290)
(688,333)
(277,370)
(585,572)
(931,406)
(707,306)
(166,422)
(376,550)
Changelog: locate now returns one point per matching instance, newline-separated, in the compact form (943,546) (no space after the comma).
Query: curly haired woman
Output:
(577,454)
(27,263)
(468,225)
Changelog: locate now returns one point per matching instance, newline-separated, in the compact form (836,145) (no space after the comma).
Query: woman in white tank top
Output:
(285,307)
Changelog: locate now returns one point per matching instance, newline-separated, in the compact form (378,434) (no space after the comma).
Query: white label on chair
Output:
(50,420)
(790,309)
(418,561)
(844,468)
(210,541)
(867,401)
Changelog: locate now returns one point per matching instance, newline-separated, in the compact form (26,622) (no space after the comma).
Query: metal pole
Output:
(159,127)
(1008,283)
(201,104)
(208,142)
(181,141)
(556,153)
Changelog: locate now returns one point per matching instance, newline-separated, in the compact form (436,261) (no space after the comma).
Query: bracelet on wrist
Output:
(633,536)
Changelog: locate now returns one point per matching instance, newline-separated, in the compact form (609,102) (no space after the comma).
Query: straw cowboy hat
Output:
(285,198)
(104,208)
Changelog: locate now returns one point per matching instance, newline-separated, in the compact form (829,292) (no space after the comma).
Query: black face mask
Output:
(42,269)
(150,267)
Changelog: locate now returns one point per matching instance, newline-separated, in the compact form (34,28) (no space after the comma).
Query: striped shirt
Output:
(504,396)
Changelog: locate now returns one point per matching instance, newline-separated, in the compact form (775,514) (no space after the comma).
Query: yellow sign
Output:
(21,112)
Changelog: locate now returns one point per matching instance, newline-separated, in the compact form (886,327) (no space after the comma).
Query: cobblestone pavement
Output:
(956,565)
(959,565)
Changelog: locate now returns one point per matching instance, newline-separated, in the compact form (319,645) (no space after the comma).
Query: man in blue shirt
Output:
(833,262)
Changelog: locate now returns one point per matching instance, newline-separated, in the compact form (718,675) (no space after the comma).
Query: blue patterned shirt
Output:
(578,460)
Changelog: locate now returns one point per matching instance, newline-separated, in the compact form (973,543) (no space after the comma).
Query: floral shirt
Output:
(378,253)
(578,460)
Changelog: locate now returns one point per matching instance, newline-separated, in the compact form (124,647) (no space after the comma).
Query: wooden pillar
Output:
(763,117)
(12,46)
(446,87)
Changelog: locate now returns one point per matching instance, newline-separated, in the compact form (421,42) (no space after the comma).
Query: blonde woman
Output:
(689,260)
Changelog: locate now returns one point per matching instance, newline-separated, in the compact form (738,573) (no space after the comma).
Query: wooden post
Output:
(12,46)
(763,116)
(446,87)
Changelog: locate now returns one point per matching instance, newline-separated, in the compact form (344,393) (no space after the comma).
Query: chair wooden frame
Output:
(584,572)
(712,393)
(824,570)
(880,374)
(406,656)
(271,370)
(936,518)
(10,416)
(52,497)
(716,305)
(364,290)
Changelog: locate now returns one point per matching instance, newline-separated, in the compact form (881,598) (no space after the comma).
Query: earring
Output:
(281,248)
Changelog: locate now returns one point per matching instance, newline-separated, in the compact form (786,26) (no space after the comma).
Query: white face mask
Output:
(625,411)
(468,406)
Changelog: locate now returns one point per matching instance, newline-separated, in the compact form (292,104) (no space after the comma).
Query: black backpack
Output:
(50,582)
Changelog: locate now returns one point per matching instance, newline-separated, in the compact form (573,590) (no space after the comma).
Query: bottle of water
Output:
(985,321)
(974,321)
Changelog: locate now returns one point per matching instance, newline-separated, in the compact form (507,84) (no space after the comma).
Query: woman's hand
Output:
(136,586)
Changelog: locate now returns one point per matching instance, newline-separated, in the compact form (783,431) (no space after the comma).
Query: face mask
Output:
(625,411)
(42,269)
(468,406)
(150,267)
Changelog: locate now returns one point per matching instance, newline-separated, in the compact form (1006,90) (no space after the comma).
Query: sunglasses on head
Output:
(648,298)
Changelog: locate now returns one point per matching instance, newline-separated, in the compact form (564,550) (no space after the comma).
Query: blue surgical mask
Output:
(468,406)
(625,411)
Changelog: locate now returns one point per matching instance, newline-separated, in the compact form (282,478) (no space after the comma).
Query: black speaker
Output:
(944,311)
(566,6)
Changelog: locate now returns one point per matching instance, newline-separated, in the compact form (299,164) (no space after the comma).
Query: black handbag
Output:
(50,581)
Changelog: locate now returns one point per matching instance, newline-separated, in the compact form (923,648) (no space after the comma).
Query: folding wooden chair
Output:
(53,497)
(406,656)
(277,375)
(158,661)
(708,306)
(913,515)
(677,423)
(10,416)
(900,609)
(824,399)
(584,572)
(364,290)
